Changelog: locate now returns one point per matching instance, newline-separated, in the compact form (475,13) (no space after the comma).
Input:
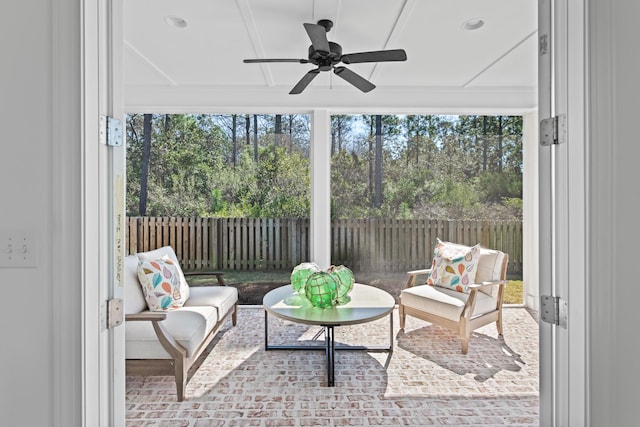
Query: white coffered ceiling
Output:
(199,68)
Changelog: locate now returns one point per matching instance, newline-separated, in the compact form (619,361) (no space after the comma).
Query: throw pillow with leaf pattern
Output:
(454,266)
(160,281)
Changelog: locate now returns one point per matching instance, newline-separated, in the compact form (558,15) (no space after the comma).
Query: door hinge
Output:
(553,130)
(115,312)
(553,310)
(111,131)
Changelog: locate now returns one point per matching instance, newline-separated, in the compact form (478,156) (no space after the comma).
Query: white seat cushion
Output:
(221,297)
(188,325)
(443,302)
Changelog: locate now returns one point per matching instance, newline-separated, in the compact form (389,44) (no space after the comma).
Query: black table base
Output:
(329,346)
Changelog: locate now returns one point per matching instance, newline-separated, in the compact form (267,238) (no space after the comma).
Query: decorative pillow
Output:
(160,280)
(454,266)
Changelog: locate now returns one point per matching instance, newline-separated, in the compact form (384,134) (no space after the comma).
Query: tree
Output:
(382,166)
(378,163)
(144,165)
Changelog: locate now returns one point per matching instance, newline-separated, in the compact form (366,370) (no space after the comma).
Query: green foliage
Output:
(431,166)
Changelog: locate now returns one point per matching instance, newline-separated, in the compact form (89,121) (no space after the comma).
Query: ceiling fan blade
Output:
(354,78)
(375,56)
(256,61)
(318,35)
(304,82)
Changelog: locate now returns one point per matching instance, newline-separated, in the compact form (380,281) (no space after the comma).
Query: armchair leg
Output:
(402,315)
(465,344)
(499,323)
(465,334)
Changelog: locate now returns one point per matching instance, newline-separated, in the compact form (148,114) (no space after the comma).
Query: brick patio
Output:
(425,381)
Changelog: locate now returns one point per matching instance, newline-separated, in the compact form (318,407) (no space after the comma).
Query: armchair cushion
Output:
(161,285)
(454,266)
(443,302)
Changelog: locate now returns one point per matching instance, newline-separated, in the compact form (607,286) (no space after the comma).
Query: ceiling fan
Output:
(327,55)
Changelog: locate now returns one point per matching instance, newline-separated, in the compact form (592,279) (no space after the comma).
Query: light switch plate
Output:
(18,249)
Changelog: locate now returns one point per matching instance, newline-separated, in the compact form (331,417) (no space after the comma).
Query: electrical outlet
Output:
(18,249)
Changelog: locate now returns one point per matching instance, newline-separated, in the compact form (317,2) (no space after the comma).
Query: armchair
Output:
(450,302)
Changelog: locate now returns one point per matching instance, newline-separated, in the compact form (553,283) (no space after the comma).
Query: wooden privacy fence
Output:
(281,244)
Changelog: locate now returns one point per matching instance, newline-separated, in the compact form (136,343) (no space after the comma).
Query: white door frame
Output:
(103,350)
(563,212)
(102,218)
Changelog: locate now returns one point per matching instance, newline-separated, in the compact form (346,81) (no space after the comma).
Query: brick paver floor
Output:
(425,381)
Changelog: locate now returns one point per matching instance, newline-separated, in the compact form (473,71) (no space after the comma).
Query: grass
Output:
(252,285)
(513,292)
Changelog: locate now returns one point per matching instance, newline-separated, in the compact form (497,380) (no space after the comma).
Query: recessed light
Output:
(473,24)
(176,22)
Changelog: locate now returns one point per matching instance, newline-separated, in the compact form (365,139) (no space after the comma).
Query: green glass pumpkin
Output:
(301,274)
(322,289)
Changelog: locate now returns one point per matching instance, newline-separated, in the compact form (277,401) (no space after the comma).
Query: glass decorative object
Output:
(322,288)
(301,274)
(345,280)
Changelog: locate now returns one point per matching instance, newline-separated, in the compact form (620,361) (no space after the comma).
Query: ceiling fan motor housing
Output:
(326,60)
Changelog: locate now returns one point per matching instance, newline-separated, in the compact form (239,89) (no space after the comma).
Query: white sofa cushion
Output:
(188,326)
(221,297)
(444,302)
(134,301)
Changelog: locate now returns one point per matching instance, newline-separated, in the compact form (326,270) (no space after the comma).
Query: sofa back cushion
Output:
(134,301)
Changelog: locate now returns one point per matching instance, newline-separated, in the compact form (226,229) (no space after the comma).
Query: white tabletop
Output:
(367,304)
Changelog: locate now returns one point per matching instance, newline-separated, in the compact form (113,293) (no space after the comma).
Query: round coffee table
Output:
(367,304)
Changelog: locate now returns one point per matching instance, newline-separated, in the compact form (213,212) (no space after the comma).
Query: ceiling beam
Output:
(256,40)
(500,58)
(397,30)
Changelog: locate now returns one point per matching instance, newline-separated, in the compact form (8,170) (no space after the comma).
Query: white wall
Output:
(26,372)
(613,226)
(40,195)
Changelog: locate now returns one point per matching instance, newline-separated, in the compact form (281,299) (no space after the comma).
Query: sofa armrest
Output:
(166,339)
(218,275)
(146,316)
(413,275)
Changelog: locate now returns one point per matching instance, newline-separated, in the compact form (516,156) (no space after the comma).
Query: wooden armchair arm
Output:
(218,275)
(474,288)
(487,284)
(414,274)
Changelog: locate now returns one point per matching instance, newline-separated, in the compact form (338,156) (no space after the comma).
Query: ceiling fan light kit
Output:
(327,55)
